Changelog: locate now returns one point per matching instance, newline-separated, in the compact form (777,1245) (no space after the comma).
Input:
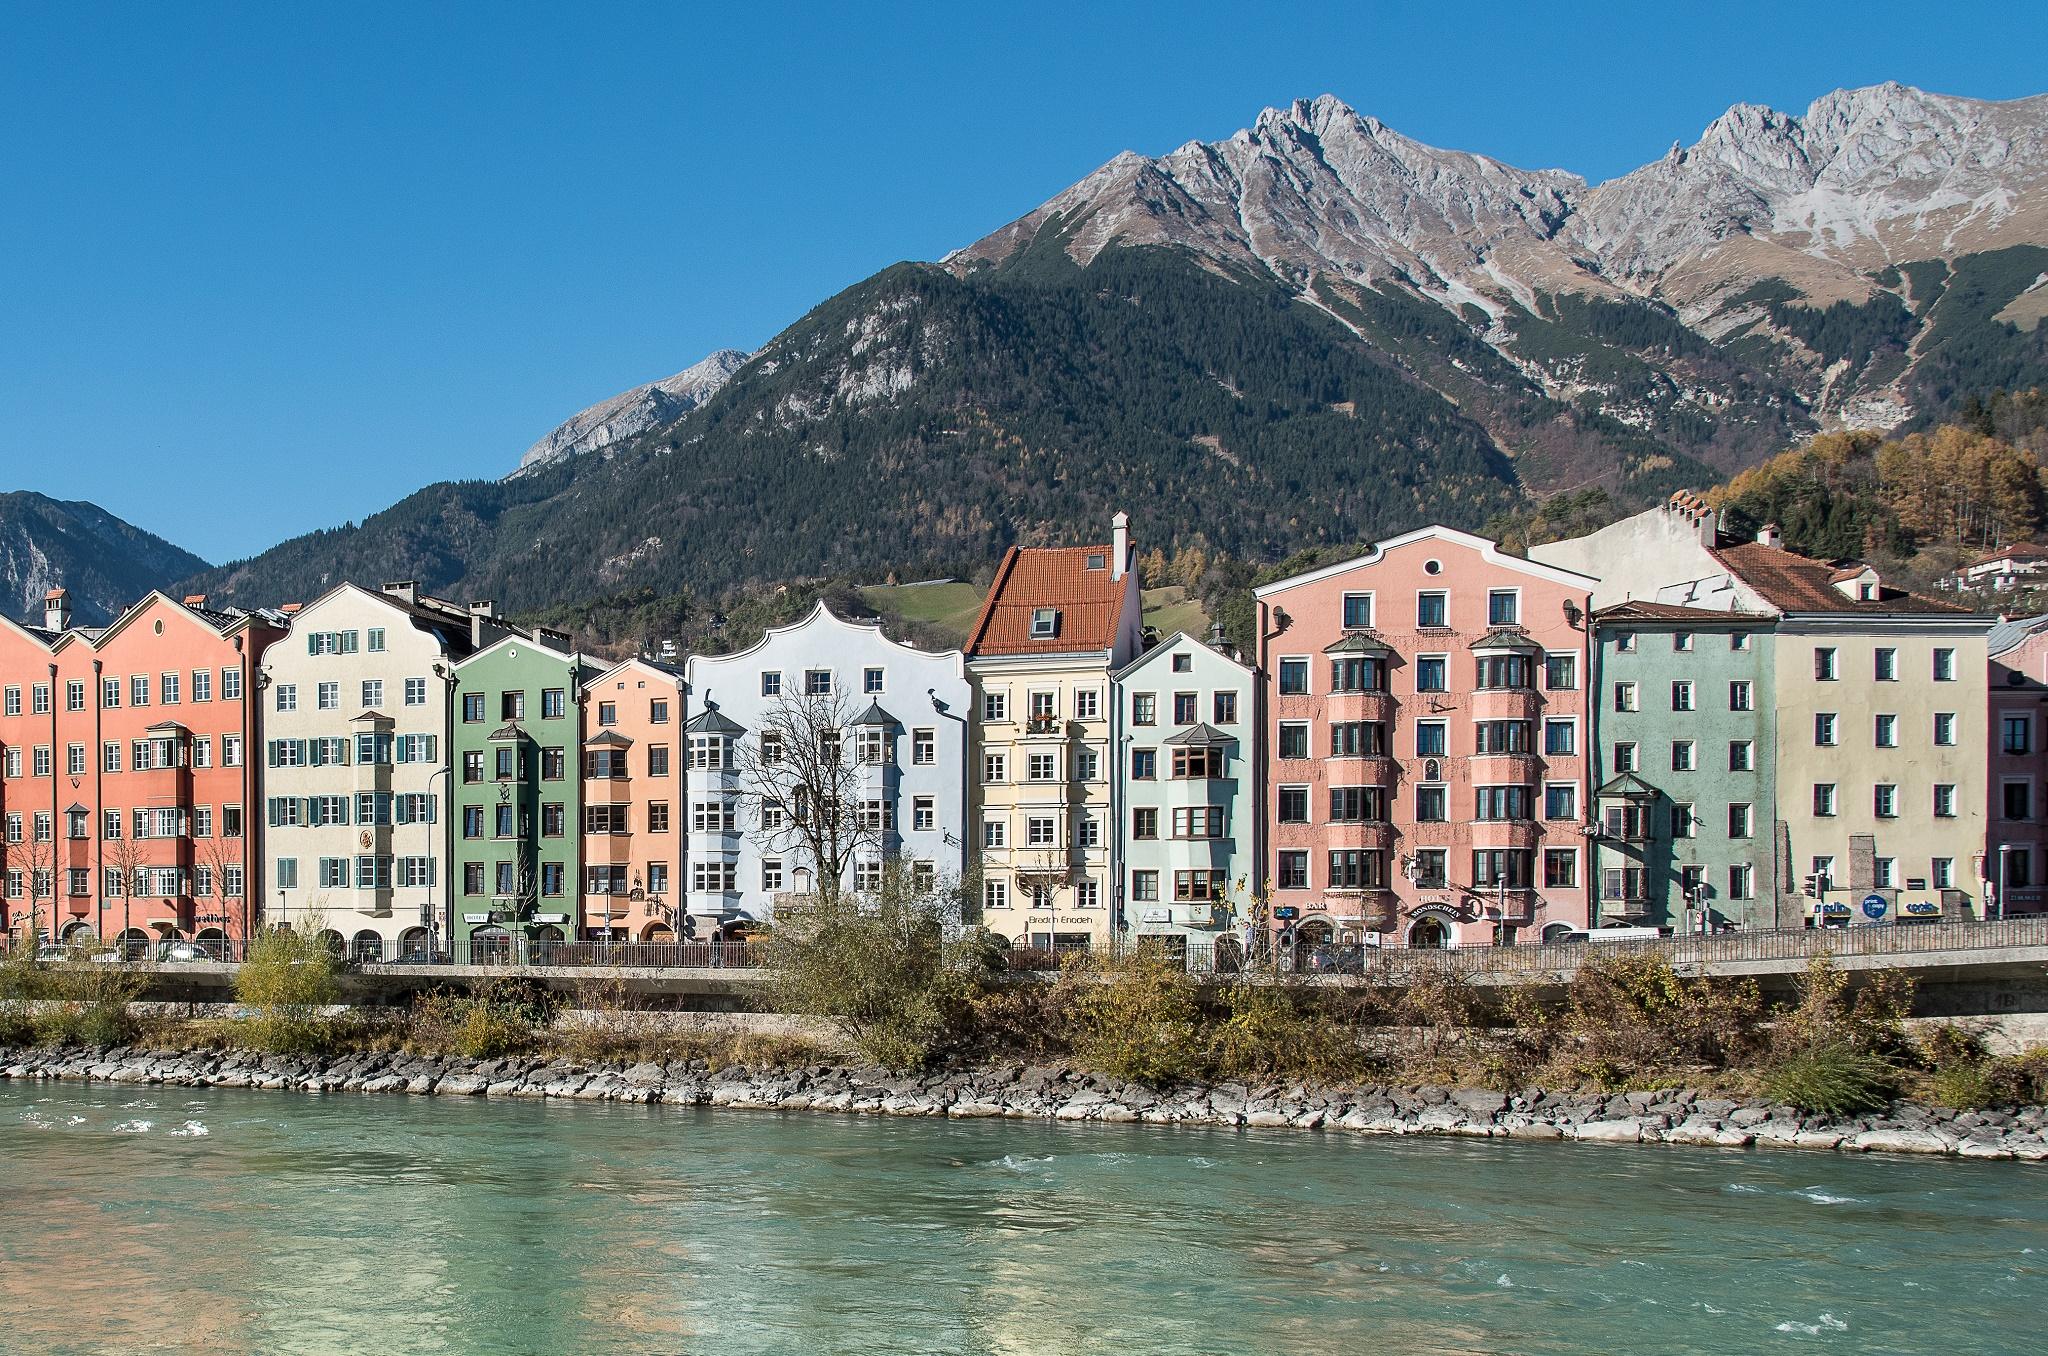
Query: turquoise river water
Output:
(163,1219)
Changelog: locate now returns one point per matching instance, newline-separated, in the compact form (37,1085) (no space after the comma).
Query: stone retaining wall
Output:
(1062,1094)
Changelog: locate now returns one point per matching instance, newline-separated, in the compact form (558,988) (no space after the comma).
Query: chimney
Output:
(405,590)
(1119,544)
(479,613)
(57,610)
(1768,535)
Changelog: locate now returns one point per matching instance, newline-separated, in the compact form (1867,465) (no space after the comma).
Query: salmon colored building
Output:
(632,792)
(125,776)
(1425,719)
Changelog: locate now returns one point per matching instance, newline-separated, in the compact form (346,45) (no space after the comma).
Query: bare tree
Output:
(803,789)
(34,858)
(130,857)
(216,855)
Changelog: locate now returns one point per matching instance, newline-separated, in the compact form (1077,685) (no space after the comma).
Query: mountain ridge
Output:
(104,561)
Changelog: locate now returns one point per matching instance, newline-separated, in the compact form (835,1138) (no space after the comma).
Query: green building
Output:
(1684,829)
(518,798)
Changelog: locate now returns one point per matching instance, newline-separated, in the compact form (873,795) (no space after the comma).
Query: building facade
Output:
(1057,623)
(633,783)
(2016,819)
(1685,806)
(1424,707)
(125,776)
(884,730)
(1187,781)
(357,722)
(518,793)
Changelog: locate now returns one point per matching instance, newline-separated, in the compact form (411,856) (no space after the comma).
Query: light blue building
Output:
(1186,791)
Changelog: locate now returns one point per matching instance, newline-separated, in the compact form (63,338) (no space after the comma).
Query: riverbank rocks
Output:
(1058,1093)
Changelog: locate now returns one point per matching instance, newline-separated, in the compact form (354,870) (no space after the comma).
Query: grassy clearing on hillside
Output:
(948,607)
(1170,609)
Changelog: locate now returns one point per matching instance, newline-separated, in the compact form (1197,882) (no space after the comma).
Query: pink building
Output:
(1425,719)
(2016,855)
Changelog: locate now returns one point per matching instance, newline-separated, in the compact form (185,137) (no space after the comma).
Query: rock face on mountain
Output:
(1315,331)
(106,563)
(631,413)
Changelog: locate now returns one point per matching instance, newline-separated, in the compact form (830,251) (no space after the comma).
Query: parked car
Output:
(184,953)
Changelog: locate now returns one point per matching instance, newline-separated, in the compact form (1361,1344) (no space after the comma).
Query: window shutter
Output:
(276,812)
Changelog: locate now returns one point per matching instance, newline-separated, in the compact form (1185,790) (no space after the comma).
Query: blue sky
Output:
(270,268)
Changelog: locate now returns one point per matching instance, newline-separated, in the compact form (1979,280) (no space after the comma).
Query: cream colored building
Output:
(1057,624)
(355,719)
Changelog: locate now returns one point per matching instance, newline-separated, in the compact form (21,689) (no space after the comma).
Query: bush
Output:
(1280,1030)
(290,978)
(882,967)
(1833,1079)
(493,1020)
(1632,1021)
(1133,1017)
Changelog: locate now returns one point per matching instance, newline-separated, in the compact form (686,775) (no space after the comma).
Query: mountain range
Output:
(1314,331)
(105,563)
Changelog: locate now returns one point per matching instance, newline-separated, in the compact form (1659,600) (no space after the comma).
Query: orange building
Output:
(632,843)
(125,780)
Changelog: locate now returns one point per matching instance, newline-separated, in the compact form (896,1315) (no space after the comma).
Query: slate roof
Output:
(1089,602)
(874,715)
(711,720)
(1203,736)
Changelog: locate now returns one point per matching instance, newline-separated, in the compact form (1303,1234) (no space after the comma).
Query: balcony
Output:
(1045,727)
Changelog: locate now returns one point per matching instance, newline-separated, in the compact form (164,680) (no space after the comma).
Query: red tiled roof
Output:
(1794,583)
(2025,550)
(1090,602)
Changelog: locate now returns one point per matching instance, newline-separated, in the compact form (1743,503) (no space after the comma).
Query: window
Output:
(472,707)
(1197,762)
(231,685)
(1144,764)
(713,816)
(472,820)
(867,875)
(995,894)
(714,877)
(1681,755)
(1884,800)
(1944,800)
(1887,731)
(1223,708)
(878,815)
(1681,695)
(657,816)
(2017,735)
(1824,799)
(607,713)
(924,747)
(1501,736)
(2019,867)
(1198,887)
(74,696)
(1503,607)
(604,819)
(995,706)
(1432,610)
(1432,673)
(1042,767)
(1293,739)
(1198,821)
(1357,805)
(327,696)
(1185,710)
(554,819)
(1681,641)
(1944,728)
(373,873)
(1357,739)
(1144,822)
(1045,623)
(995,833)
(13,700)
(1087,704)
(870,681)
(1740,819)
(138,692)
(1561,801)
(1944,666)
(923,815)
(511,706)
(1624,696)
(288,697)
(1144,886)
(1496,867)
(1887,664)
(1740,695)
(1944,875)
(872,747)
(1358,612)
(1293,677)
(40,760)
(710,752)
(771,683)
(657,712)
(1885,873)
(1823,728)
(1293,870)
(1144,708)
(415,692)
(1432,804)
(1622,883)
(1432,738)
(2018,800)
(1625,757)
(1041,831)
(1291,804)
(1561,672)
(1824,664)
(1560,738)
(1560,868)
(1357,869)
(74,760)
(1505,673)
(1497,803)
(995,767)
(1741,756)
(1432,868)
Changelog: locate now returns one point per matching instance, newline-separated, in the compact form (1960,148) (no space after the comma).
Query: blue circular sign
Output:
(1874,907)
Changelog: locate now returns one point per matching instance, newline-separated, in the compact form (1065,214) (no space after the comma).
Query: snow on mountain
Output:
(631,413)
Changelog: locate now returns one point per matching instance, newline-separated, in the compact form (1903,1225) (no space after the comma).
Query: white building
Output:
(903,716)
(355,720)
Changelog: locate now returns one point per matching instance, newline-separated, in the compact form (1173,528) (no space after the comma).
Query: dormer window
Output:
(1098,560)
(1045,623)
(1866,593)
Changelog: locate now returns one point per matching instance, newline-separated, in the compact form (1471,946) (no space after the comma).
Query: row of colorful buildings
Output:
(1433,743)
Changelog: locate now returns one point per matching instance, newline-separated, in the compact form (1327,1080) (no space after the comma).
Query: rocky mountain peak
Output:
(631,413)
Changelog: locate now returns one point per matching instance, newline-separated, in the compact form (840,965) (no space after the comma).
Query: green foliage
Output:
(881,966)
(493,1019)
(1832,1079)
(83,1002)
(1268,1031)
(1969,350)
(1572,514)
(289,978)
(1134,1017)
(1629,1019)
(1859,331)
